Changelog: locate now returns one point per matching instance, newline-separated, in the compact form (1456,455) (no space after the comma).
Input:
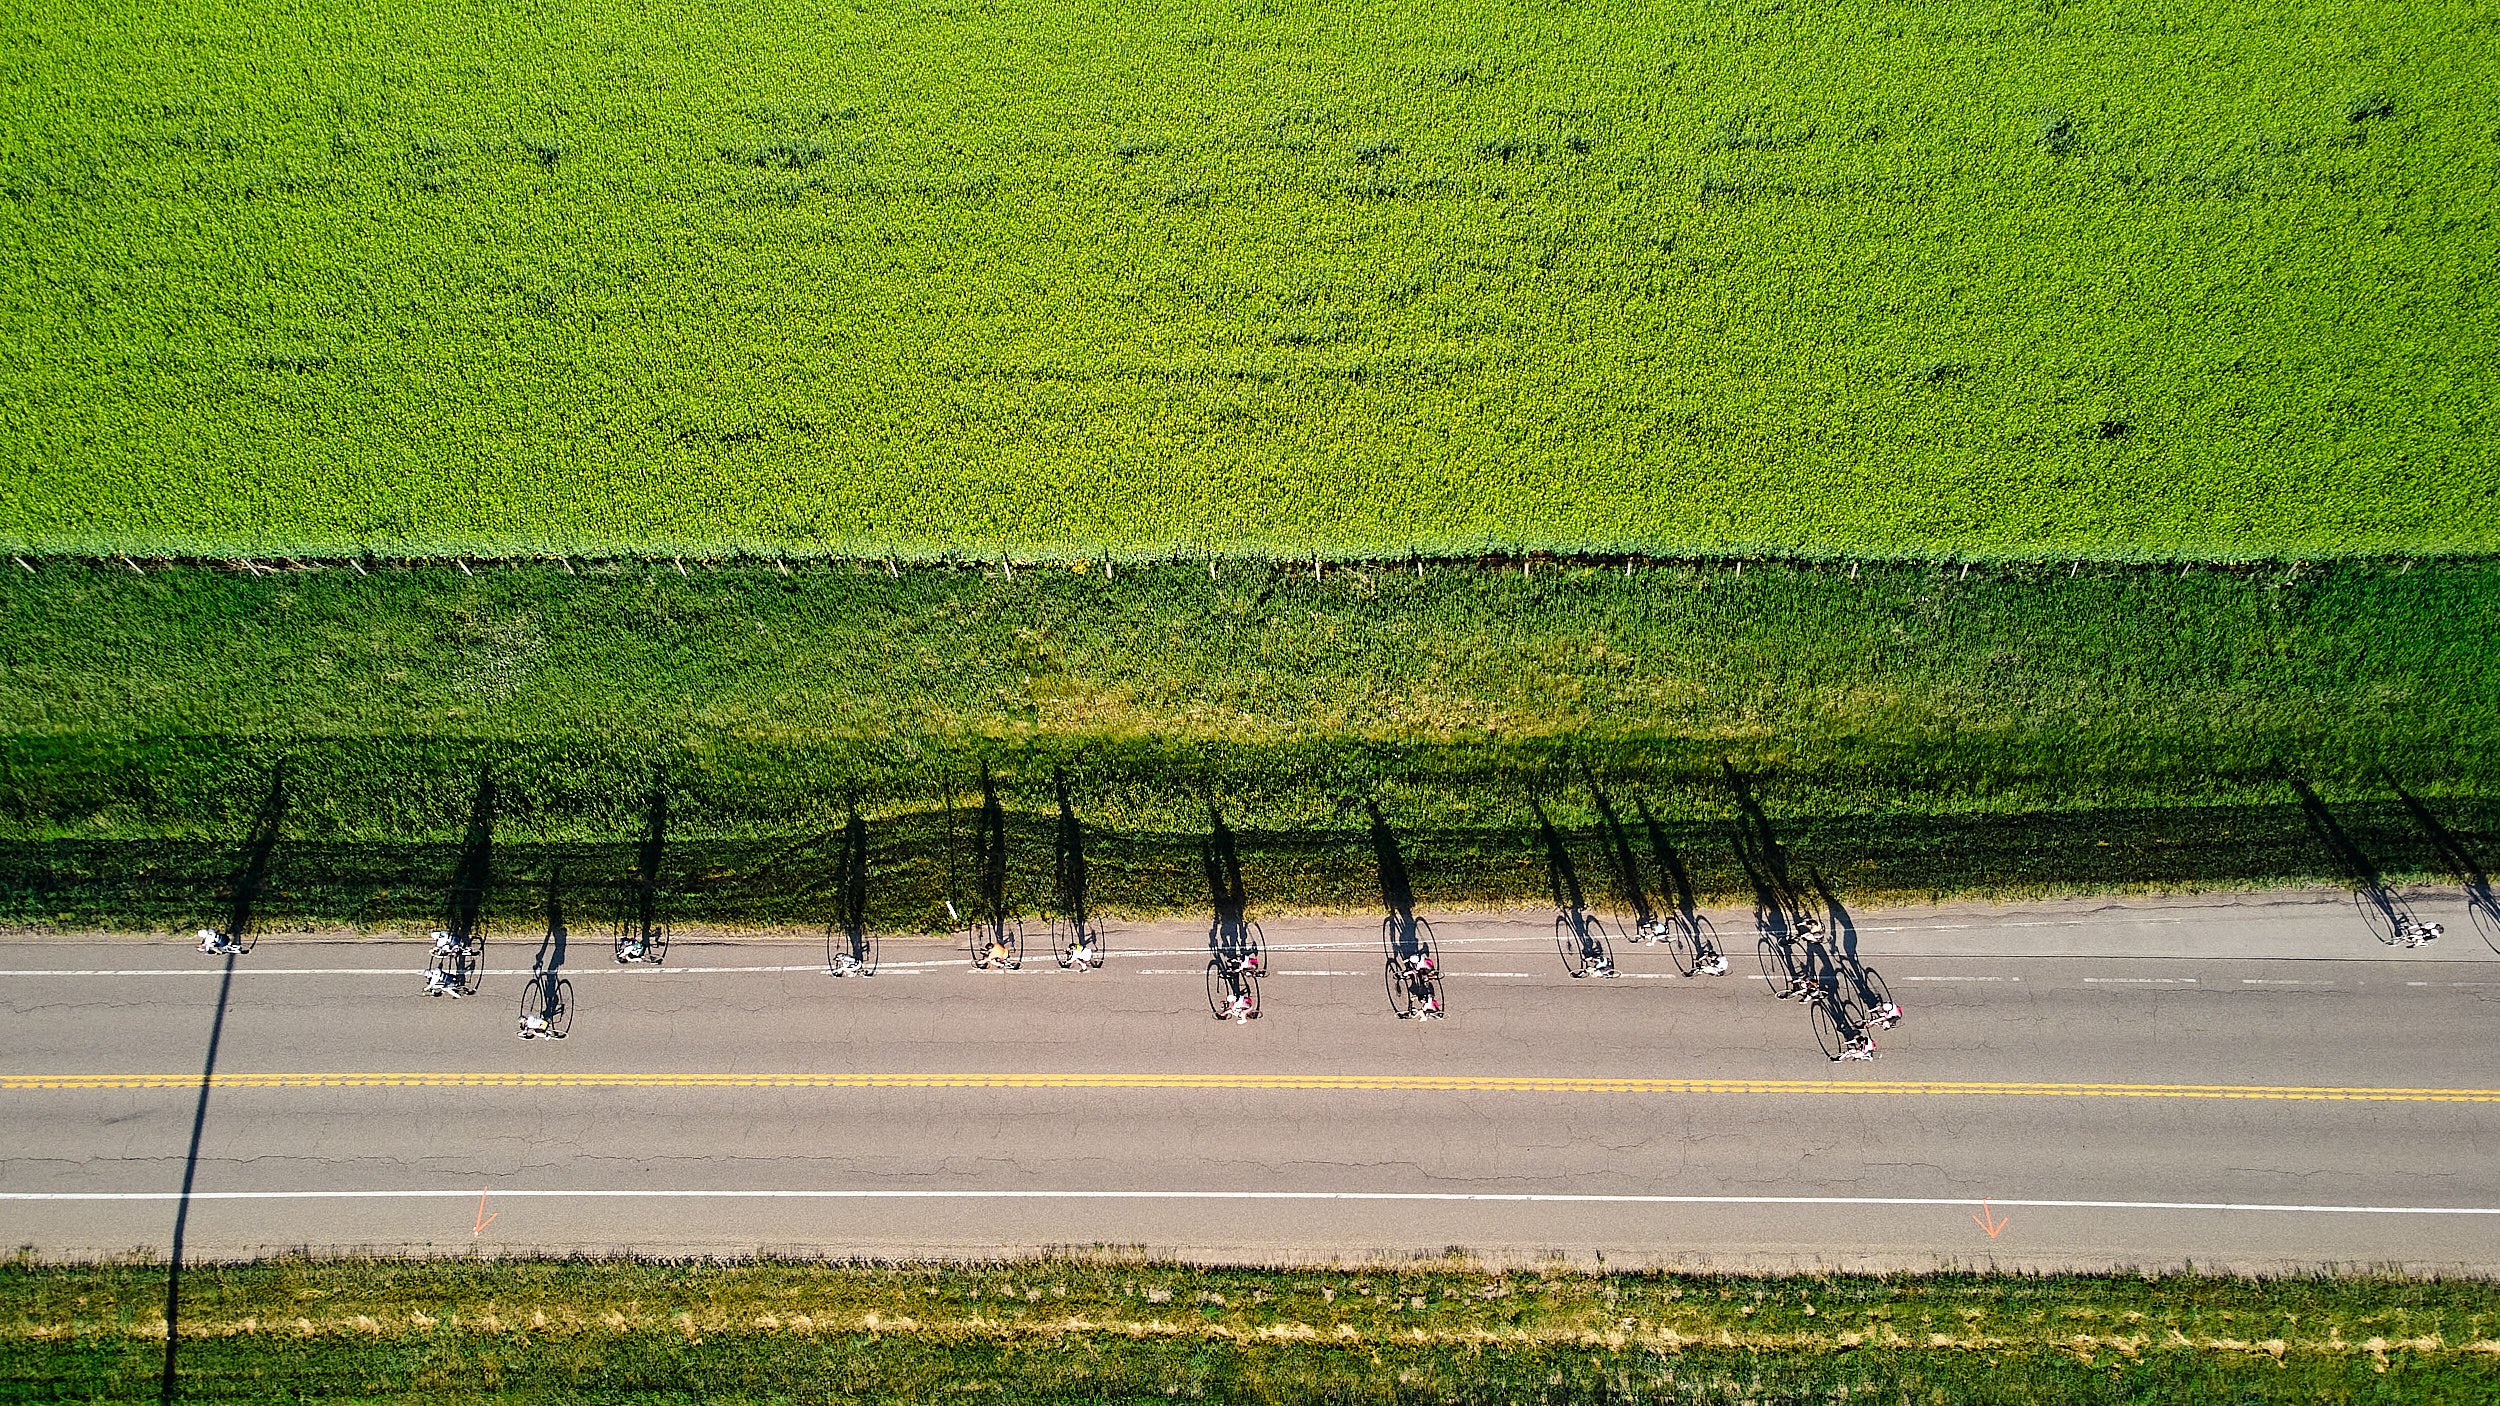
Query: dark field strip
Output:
(1912,730)
(1112,1331)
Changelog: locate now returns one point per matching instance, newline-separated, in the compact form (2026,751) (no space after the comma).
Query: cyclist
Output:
(1243,1006)
(1858,1046)
(631,949)
(1082,953)
(847,964)
(1708,960)
(217,944)
(1418,963)
(440,982)
(534,1027)
(1599,964)
(445,945)
(2413,932)
(999,954)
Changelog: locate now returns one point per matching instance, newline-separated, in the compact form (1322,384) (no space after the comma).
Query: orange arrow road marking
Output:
(1993,1228)
(484,1219)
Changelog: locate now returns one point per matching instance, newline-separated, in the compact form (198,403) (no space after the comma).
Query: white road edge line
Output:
(1503,1197)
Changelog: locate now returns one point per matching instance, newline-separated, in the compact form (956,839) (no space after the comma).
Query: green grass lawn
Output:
(1095,1331)
(1920,730)
(2028,277)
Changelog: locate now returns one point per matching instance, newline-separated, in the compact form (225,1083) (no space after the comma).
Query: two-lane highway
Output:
(2245,1082)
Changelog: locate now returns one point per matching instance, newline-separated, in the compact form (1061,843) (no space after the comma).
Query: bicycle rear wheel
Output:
(1871,986)
(533,998)
(1827,1031)
(560,1021)
(2486,922)
(1777,975)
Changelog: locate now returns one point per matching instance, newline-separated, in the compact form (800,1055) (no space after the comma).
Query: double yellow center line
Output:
(1253,1083)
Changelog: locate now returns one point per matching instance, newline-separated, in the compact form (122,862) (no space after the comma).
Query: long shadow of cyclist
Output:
(459,957)
(2389,918)
(1579,935)
(1867,983)
(848,949)
(1625,869)
(642,935)
(2460,864)
(1237,949)
(1700,936)
(547,1003)
(1232,937)
(1414,966)
(236,934)
(1075,938)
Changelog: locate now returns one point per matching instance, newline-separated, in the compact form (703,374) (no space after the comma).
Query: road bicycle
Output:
(638,941)
(1695,947)
(850,953)
(452,971)
(1873,995)
(2486,921)
(1585,942)
(1232,989)
(1784,964)
(219,944)
(1410,967)
(996,945)
(1840,1024)
(1077,946)
(1244,944)
(549,998)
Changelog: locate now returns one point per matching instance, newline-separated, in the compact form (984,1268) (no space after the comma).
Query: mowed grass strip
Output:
(1915,731)
(1066,278)
(154,704)
(1097,1329)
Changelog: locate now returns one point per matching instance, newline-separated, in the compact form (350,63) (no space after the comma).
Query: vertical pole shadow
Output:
(251,878)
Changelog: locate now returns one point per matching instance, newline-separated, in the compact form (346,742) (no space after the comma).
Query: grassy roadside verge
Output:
(1920,731)
(1114,1330)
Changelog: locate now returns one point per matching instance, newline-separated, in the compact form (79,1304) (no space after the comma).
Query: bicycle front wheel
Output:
(1871,986)
(2487,922)
(1219,988)
(560,1021)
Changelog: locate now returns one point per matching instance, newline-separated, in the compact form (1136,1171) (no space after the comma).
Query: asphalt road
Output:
(2248,1082)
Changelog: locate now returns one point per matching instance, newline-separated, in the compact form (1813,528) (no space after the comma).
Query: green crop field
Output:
(2019,278)
(1921,731)
(1094,1331)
